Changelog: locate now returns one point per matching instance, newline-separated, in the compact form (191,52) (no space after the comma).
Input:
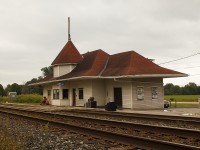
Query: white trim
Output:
(63,64)
(113,77)
(58,71)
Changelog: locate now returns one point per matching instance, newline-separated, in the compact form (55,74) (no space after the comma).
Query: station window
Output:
(55,93)
(80,93)
(154,92)
(65,93)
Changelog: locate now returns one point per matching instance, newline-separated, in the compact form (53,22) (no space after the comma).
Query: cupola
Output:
(67,59)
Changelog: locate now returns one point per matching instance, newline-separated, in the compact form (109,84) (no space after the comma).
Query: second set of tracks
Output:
(138,134)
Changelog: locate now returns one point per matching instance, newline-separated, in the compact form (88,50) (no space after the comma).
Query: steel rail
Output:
(139,115)
(189,119)
(126,139)
(181,132)
(195,120)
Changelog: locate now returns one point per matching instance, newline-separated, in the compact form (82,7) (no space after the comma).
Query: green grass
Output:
(184,105)
(182,98)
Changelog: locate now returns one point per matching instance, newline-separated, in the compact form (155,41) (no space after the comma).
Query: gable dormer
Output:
(66,60)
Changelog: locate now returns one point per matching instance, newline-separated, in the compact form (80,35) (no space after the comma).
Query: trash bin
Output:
(88,105)
(111,106)
(91,104)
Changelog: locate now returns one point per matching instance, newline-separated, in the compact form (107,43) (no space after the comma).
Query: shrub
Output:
(28,98)
(24,98)
(3,99)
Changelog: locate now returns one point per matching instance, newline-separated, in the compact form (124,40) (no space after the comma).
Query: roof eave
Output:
(67,79)
(111,77)
(148,76)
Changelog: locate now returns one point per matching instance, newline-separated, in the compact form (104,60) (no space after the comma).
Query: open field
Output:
(185,104)
(182,98)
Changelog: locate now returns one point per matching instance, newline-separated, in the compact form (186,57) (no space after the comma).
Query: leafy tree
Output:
(168,89)
(47,70)
(2,92)
(7,89)
(198,90)
(176,90)
(15,88)
(26,89)
(190,89)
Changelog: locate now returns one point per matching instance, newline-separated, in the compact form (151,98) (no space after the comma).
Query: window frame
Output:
(56,94)
(80,93)
(154,94)
(67,95)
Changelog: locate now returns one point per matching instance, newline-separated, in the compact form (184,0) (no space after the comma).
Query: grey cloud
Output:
(33,32)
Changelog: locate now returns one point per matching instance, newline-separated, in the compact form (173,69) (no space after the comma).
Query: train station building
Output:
(127,78)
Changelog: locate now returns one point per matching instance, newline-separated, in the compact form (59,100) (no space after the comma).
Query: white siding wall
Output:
(46,88)
(148,103)
(103,91)
(99,92)
(60,101)
(87,90)
(56,71)
(62,69)
(126,91)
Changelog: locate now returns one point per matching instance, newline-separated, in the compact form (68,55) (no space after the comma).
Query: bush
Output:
(3,99)
(28,98)
(24,98)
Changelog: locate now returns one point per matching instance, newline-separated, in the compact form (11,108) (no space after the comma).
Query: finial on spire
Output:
(69,37)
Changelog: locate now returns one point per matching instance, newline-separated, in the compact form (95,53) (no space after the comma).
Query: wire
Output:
(194,75)
(188,67)
(180,58)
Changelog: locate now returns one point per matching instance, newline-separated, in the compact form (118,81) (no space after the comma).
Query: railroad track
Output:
(148,117)
(167,118)
(163,120)
(123,138)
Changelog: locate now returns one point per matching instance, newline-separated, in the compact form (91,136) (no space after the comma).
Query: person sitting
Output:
(44,101)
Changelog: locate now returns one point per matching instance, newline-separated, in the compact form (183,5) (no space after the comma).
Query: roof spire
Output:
(69,37)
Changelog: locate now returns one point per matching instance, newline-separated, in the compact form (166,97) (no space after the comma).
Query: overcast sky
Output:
(32,33)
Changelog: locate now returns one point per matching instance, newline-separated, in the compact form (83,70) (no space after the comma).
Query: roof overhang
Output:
(149,76)
(113,77)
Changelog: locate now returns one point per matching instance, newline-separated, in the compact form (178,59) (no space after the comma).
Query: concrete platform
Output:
(193,112)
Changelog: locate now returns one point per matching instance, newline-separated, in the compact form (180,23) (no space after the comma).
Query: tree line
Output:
(25,89)
(189,89)
(21,89)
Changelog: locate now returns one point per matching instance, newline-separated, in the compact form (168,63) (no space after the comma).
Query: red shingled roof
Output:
(69,54)
(100,64)
(132,63)
(92,65)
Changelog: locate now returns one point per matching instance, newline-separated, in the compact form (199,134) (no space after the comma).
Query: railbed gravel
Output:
(36,137)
